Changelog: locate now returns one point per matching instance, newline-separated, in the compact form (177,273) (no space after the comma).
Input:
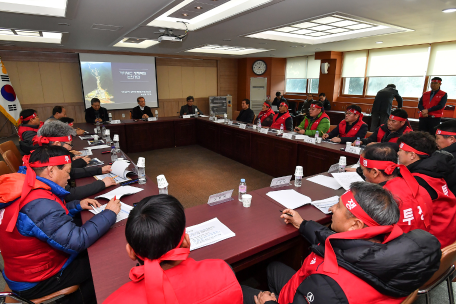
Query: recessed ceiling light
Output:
(286,29)
(358,26)
(198,7)
(305,25)
(326,20)
(6,32)
(54,8)
(185,14)
(337,30)
(31,36)
(449,10)
(28,33)
(226,50)
(318,34)
(378,42)
(321,28)
(133,43)
(343,23)
(303,32)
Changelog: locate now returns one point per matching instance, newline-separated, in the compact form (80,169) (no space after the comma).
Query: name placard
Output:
(280,181)
(220,198)
(242,126)
(152,119)
(287,135)
(113,122)
(310,140)
(186,116)
(264,130)
(230,122)
(355,150)
(300,136)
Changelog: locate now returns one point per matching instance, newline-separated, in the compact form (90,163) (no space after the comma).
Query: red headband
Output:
(356,112)
(315,106)
(28,118)
(397,118)
(30,178)
(407,148)
(440,132)
(284,104)
(352,205)
(436,80)
(155,279)
(71,124)
(267,105)
(40,140)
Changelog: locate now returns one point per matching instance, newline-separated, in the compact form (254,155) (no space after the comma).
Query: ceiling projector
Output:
(169,38)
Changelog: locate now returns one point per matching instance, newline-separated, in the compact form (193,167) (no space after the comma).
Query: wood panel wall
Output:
(227,70)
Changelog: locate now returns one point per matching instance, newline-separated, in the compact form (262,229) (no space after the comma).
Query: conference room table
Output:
(260,232)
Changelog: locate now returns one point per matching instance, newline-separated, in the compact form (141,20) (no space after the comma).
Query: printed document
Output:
(326,181)
(119,192)
(345,179)
(208,233)
(323,205)
(118,172)
(122,215)
(290,198)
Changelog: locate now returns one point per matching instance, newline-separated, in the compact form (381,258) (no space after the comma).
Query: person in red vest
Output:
(431,105)
(283,118)
(365,258)
(379,166)
(430,168)
(266,116)
(317,120)
(397,125)
(445,138)
(29,125)
(349,129)
(156,239)
(43,248)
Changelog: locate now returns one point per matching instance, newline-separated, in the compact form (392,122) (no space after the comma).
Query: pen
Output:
(93,207)
(104,152)
(281,211)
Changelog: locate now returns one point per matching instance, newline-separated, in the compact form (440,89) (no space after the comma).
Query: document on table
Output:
(118,172)
(326,181)
(289,198)
(323,205)
(122,215)
(97,147)
(85,153)
(94,162)
(345,179)
(119,192)
(208,233)
(86,137)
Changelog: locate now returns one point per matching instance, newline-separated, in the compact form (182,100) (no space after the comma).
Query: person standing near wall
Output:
(381,109)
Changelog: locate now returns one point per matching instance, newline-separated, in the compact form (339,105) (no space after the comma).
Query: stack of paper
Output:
(290,199)
(326,181)
(345,179)
(119,192)
(118,172)
(323,205)
(122,215)
(208,233)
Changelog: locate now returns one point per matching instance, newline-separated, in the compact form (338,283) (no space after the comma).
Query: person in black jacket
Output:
(445,138)
(368,250)
(141,111)
(246,115)
(30,123)
(324,101)
(70,122)
(96,113)
(189,108)
(278,100)
(383,103)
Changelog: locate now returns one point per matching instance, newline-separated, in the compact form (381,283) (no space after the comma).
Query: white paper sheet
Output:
(122,215)
(289,198)
(323,205)
(97,147)
(118,168)
(326,181)
(85,153)
(117,179)
(119,192)
(208,233)
(95,162)
(345,179)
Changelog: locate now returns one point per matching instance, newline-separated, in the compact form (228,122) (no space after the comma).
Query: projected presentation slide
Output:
(118,80)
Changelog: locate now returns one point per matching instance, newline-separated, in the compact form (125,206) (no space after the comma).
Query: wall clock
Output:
(259,67)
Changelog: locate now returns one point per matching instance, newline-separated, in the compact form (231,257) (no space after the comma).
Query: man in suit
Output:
(96,113)
(189,108)
(381,109)
(141,111)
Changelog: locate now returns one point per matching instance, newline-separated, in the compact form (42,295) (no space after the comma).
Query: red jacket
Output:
(203,282)
(277,122)
(412,215)
(314,125)
(443,223)
(381,133)
(353,131)
(428,103)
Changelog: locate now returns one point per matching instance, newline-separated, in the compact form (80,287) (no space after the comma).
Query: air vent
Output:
(133,40)
(105,27)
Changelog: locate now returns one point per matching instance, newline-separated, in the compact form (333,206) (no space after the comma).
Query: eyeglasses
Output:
(69,144)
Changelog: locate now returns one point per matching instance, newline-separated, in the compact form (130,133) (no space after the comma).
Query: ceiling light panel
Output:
(337,30)
(322,28)
(358,26)
(28,33)
(6,32)
(286,29)
(304,32)
(226,50)
(210,12)
(55,8)
(327,20)
(305,25)
(129,43)
(343,23)
(30,36)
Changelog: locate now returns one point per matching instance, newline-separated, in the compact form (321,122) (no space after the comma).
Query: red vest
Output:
(23,129)
(353,130)
(381,133)
(281,120)
(28,259)
(443,223)
(314,126)
(412,217)
(203,282)
(265,114)
(428,103)
(355,289)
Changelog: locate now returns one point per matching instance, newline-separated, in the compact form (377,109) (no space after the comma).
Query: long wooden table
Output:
(260,233)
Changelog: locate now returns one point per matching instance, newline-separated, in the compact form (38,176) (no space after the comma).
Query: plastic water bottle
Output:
(110,117)
(281,129)
(141,164)
(113,153)
(108,137)
(196,112)
(242,189)
(225,116)
(98,130)
(103,130)
(357,142)
(342,164)
(317,134)
(116,142)
(156,113)
(259,125)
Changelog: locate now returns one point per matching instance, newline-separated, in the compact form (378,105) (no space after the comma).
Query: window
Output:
(353,71)
(448,85)
(442,64)
(406,86)
(313,73)
(296,75)
(353,85)
(296,85)
(313,85)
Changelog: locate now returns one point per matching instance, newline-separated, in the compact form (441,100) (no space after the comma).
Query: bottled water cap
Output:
(242,180)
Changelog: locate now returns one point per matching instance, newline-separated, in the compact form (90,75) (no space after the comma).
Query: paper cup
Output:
(110,115)
(95,131)
(348,144)
(141,162)
(318,140)
(246,200)
(299,171)
(95,137)
(254,127)
(161,181)
(108,132)
(116,137)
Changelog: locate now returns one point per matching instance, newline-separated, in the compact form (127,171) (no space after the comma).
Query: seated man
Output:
(349,129)
(58,112)
(246,115)
(304,107)
(41,244)
(266,116)
(430,168)
(189,108)
(325,102)
(278,100)
(29,124)
(445,138)
(397,125)
(165,273)
(57,133)
(379,166)
(141,111)
(317,120)
(96,113)
(365,258)
(283,118)
(70,122)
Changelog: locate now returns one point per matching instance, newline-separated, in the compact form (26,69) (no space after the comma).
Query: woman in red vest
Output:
(365,258)
(30,123)
(283,118)
(156,238)
(266,115)
(350,128)
(431,105)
